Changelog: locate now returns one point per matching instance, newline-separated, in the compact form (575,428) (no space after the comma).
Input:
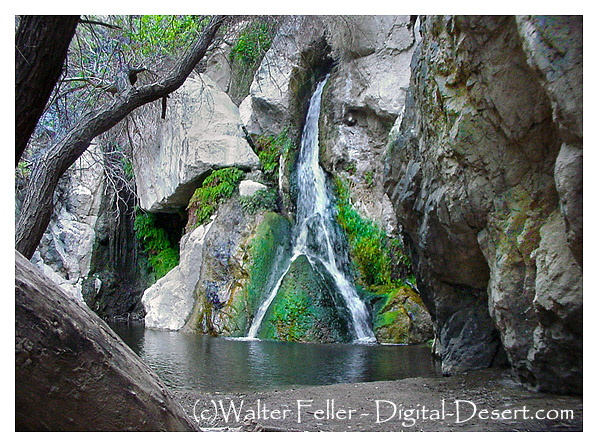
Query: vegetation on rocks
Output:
(260,200)
(218,186)
(162,253)
(379,259)
(304,310)
(247,52)
(271,148)
(400,317)
(267,248)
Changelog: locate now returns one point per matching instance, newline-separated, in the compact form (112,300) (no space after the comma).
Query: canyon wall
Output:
(485,175)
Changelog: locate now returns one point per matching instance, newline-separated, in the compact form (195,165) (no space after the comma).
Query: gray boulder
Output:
(169,302)
(201,132)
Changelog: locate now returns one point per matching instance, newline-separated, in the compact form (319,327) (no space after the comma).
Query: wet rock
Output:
(74,374)
(401,318)
(305,309)
(242,255)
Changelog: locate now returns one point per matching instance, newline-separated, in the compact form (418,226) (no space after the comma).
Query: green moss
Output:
(272,235)
(369,178)
(304,310)
(163,254)
(218,186)
(394,314)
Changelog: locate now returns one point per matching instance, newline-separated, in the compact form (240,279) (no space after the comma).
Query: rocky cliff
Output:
(485,175)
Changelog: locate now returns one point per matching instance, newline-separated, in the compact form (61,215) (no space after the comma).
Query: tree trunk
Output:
(41,45)
(74,374)
(37,205)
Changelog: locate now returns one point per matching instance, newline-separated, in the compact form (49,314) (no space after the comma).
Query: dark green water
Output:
(191,361)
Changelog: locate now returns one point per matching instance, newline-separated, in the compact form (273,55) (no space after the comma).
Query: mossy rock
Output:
(240,257)
(269,249)
(304,310)
(400,317)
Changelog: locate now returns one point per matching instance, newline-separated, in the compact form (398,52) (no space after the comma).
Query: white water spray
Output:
(315,235)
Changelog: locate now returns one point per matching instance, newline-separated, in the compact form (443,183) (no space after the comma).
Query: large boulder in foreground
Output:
(73,373)
(201,131)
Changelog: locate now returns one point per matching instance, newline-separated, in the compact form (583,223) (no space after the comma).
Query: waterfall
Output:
(315,228)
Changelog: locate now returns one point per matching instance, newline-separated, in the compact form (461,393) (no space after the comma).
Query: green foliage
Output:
(162,34)
(253,42)
(128,168)
(247,53)
(23,169)
(270,148)
(164,261)
(351,168)
(380,260)
(162,254)
(369,178)
(219,185)
(261,200)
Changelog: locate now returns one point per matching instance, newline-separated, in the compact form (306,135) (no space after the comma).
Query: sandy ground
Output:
(488,400)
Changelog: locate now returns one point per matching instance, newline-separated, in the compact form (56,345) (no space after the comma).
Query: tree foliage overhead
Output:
(96,92)
(104,50)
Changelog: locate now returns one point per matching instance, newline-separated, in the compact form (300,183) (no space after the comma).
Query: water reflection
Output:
(190,361)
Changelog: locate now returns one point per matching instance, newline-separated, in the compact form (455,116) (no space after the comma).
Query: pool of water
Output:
(197,362)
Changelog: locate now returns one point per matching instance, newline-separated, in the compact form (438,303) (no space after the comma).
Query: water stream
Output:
(315,231)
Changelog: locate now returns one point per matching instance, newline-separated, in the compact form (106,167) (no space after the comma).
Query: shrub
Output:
(261,200)
(270,148)
(219,185)
(247,53)
(379,259)
(252,43)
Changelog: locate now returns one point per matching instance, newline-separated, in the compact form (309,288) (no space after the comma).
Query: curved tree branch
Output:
(37,205)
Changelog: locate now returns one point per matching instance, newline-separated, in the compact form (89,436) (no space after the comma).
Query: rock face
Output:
(201,132)
(226,293)
(74,374)
(65,251)
(169,302)
(364,95)
(485,177)
(275,102)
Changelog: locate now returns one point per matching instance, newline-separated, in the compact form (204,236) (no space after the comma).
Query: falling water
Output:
(315,235)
